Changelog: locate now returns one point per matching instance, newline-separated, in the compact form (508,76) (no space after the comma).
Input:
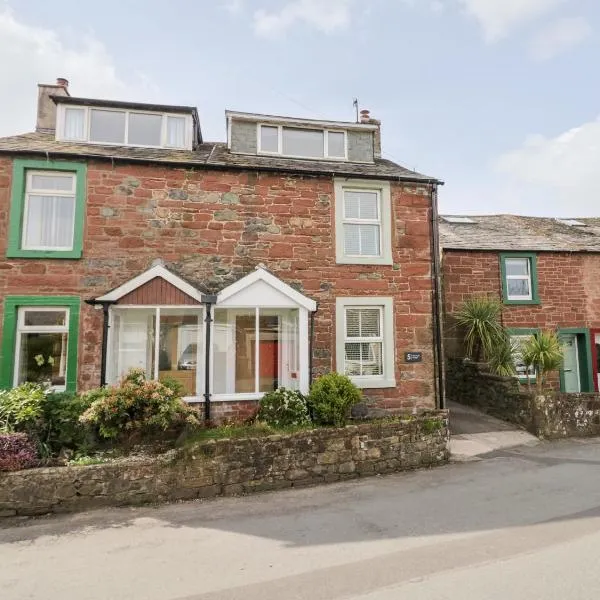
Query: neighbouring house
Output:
(289,251)
(546,273)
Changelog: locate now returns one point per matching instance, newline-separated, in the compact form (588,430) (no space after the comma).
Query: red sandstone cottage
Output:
(290,251)
(545,271)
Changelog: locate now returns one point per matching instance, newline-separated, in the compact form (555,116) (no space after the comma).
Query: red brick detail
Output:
(157,291)
(568,287)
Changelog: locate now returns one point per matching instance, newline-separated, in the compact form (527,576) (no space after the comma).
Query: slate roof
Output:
(514,232)
(209,155)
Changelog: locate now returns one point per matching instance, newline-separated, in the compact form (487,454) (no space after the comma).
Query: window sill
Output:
(367,260)
(517,302)
(365,383)
(224,398)
(17,253)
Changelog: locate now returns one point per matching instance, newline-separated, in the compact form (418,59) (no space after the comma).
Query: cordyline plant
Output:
(502,360)
(483,333)
(543,353)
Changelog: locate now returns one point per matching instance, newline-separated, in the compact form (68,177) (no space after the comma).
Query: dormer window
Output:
(124,127)
(302,142)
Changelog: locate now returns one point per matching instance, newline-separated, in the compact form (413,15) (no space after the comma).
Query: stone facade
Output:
(229,467)
(214,226)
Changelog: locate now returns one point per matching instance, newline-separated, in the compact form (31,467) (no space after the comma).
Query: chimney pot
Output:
(62,82)
(365,116)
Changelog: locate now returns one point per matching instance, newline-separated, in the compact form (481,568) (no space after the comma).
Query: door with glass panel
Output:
(570,363)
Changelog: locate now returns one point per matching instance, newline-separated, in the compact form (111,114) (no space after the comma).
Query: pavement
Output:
(474,434)
(520,523)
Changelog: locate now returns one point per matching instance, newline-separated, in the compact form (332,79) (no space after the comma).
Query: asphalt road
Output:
(524,523)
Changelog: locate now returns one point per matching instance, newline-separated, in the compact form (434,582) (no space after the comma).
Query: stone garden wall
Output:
(502,397)
(232,466)
(551,416)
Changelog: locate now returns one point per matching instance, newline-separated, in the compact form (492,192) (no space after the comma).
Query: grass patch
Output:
(242,432)
(88,460)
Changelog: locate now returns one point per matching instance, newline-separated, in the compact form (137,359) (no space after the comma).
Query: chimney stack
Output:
(365,117)
(46,109)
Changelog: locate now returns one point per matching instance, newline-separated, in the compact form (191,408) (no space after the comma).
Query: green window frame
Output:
(12,304)
(532,258)
(17,207)
(524,331)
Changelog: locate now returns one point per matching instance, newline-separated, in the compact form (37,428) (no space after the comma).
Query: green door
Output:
(571,378)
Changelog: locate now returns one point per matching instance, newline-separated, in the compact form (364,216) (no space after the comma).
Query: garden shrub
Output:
(283,408)
(61,428)
(331,398)
(17,452)
(174,385)
(21,408)
(136,408)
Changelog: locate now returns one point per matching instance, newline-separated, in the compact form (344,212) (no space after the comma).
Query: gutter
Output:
(437,303)
(225,167)
(105,326)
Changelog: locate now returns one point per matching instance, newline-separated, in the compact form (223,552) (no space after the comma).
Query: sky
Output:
(500,99)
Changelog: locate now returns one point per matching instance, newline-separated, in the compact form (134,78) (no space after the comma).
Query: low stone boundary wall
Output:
(232,466)
(501,397)
(561,415)
(551,416)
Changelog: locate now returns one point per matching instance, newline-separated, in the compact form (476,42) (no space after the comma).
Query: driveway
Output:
(519,524)
(474,433)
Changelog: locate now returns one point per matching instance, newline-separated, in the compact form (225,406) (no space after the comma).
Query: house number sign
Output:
(413,357)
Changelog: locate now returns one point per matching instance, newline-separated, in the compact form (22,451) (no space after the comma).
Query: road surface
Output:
(521,524)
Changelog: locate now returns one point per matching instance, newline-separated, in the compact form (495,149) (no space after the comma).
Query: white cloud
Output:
(558,37)
(234,7)
(498,18)
(31,55)
(325,15)
(566,166)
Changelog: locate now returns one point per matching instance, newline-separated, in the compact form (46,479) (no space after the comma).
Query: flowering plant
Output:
(136,406)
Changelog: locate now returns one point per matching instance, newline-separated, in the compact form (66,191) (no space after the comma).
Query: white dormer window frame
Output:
(61,122)
(280,133)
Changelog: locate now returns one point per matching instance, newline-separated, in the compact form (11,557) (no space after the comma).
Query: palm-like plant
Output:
(502,359)
(543,353)
(483,332)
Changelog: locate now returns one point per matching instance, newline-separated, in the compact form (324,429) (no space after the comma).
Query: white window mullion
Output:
(163,131)
(156,342)
(126,134)
(257,352)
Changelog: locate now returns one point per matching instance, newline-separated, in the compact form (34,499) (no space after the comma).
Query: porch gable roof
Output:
(262,275)
(157,270)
